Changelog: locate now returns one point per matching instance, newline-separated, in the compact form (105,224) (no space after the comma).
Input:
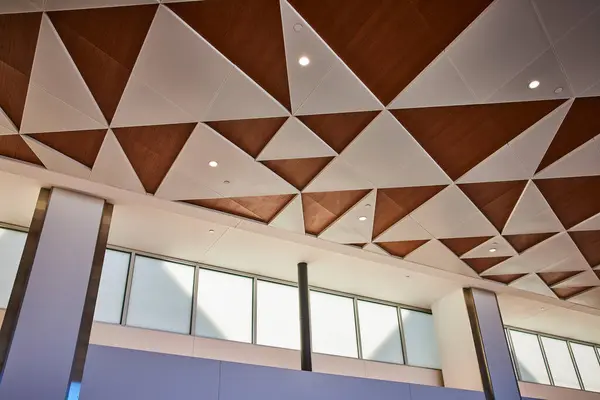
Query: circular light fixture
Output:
(298,27)
(211,231)
(362,218)
(534,84)
(493,250)
(226,182)
(213,164)
(558,90)
(367,205)
(304,61)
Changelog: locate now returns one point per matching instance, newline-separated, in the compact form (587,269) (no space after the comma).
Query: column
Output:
(304,303)
(44,338)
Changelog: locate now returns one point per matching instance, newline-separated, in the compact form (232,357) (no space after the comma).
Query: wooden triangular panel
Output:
(298,171)
(151,150)
(394,204)
(338,130)
(402,248)
(506,279)
(552,278)
(568,292)
(580,125)
(522,242)
(249,33)
(321,209)
(460,137)
(496,200)
(104,44)
(460,246)
(13,146)
(81,146)
(588,243)
(250,135)
(480,265)
(258,208)
(18,40)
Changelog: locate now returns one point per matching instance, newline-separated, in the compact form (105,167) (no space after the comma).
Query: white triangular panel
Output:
(503,249)
(373,248)
(240,98)
(590,298)
(20,6)
(6,125)
(593,91)
(405,229)
(585,278)
(336,176)
(46,113)
(439,84)
(532,283)
(113,168)
(56,161)
(339,91)
(532,214)
(503,165)
(583,161)
(291,218)
(55,72)
(141,105)
(435,254)
(295,140)
(590,224)
(348,228)
(78,4)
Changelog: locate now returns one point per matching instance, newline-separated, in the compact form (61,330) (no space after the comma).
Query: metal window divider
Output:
(513,354)
(194,301)
(579,379)
(128,283)
(545,358)
(402,336)
(254,310)
(357,328)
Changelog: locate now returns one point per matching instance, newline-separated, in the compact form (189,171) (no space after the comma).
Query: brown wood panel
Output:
(387,43)
(402,248)
(258,208)
(506,279)
(460,246)
(81,146)
(249,33)
(588,243)
(481,265)
(151,150)
(299,171)
(522,242)
(568,292)
(321,209)
(338,130)
(552,278)
(13,146)
(250,135)
(395,203)
(573,199)
(104,44)
(18,40)
(496,200)
(580,125)
(460,137)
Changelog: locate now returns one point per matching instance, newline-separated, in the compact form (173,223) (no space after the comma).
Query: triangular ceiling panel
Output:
(396,203)
(460,246)
(75,4)
(588,243)
(291,217)
(566,293)
(580,125)
(496,200)
(402,248)
(298,171)
(582,279)
(524,241)
(55,161)
(435,254)
(295,140)
(322,209)
(533,283)
(81,146)
(590,224)
(13,146)
(493,247)
(373,248)
(104,43)
(18,6)
(454,141)
(552,278)
(151,150)
(241,30)
(338,130)
(6,125)
(505,279)
(480,265)
(355,226)
(590,298)
(532,214)
(258,208)
(250,135)
(113,168)
(583,161)
(338,175)
(405,229)
(18,39)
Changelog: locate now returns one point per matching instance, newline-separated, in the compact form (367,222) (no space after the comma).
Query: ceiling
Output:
(412,132)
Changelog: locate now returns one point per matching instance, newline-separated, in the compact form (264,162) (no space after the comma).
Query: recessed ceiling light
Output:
(304,61)
(534,84)
(298,27)
(362,218)
(367,205)
(493,250)
(226,182)
(211,231)
(213,164)
(558,90)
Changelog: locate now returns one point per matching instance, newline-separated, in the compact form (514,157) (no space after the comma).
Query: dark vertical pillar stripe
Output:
(304,302)
(22,278)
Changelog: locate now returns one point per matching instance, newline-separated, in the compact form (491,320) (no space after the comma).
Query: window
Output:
(587,363)
(529,359)
(379,332)
(11,248)
(332,323)
(161,295)
(113,282)
(224,306)
(560,363)
(277,309)
(421,343)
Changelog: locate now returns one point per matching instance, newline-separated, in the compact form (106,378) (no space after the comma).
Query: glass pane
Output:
(379,332)
(224,306)
(277,322)
(421,343)
(112,287)
(11,248)
(560,363)
(587,363)
(161,295)
(530,361)
(332,323)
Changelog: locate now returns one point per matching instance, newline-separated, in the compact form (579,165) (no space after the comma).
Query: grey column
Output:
(43,349)
(497,373)
(304,302)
